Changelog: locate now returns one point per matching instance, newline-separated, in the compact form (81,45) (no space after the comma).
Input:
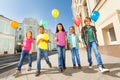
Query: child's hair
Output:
(57,28)
(41,27)
(86,19)
(28,32)
(73,28)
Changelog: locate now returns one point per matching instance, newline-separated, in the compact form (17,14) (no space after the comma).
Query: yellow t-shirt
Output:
(43,45)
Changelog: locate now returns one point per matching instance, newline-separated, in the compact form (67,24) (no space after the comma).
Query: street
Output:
(11,61)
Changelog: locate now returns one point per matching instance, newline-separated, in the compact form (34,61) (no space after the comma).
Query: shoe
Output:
(17,73)
(37,73)
(90,66)
(60,70)
(50,65)
(103,70)
(29,69)
(79,66)
(74,66)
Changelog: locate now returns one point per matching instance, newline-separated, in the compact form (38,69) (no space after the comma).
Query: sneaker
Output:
(103,70)
(90,66)
(74,66)
(37,73)
(50,65)
(29,69)
(17,73)
(60,70)
(79,66)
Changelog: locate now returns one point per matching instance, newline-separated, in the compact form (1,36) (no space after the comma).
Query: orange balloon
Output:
(14,24)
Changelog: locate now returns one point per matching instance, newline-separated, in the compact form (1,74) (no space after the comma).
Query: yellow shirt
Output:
(43,45)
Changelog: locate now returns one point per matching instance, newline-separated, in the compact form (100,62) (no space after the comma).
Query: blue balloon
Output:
(95,15)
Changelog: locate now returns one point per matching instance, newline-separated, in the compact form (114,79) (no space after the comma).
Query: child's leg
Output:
(60,62)
(39,59)
(73,56)
(63,57)
(45,52)
(29,59)
(89,53)
(23,53)
(77,56)
(97,55)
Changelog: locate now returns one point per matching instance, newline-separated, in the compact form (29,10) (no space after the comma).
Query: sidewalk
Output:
(112,63)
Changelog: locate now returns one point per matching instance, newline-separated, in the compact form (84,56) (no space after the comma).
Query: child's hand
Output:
(56,39)
(85,46)
(30,52)
(79,41)
(19,43)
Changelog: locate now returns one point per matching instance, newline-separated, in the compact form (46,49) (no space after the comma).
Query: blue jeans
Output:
(22,57)
(75,54)
(61,56)
(95,50)
(39,56)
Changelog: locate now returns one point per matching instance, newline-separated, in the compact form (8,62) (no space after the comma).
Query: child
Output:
(74,41)
(27,47)
(42,42)
(61,44)
(89,39)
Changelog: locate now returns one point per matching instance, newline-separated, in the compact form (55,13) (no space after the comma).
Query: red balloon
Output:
(77,21)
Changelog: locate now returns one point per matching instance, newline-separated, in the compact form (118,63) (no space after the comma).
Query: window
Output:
(112,34)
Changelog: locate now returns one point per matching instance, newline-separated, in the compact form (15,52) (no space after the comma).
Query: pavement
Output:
(112,63)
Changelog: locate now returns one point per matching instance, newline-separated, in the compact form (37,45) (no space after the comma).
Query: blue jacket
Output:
(69,38)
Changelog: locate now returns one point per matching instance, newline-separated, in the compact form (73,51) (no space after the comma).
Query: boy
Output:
(42,42)
(89,39)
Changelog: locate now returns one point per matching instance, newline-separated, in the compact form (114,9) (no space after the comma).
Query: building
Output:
(108,25)
(7,36)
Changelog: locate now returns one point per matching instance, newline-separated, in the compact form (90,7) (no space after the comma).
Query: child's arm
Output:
(31,48)
(66,41)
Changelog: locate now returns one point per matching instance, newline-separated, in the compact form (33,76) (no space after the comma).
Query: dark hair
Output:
(57,28)
(73,28)
(41,27)
(86,19)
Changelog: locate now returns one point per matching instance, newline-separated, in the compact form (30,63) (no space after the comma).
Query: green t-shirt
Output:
(90,34)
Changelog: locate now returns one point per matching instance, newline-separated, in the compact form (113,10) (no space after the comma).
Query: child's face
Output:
(59,27)
(72,30)
(41,30)
(29,35)
(88,22)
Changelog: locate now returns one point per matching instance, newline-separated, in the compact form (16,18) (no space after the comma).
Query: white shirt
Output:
(73,40)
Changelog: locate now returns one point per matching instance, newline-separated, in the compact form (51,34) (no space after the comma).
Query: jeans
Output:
(75,54)
(95,50)
(22,57)
(61,56)
(39,56)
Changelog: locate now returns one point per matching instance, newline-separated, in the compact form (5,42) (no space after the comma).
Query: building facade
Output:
(7,36)
(108,25)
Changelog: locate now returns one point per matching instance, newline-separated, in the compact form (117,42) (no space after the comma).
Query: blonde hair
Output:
(86,19)
(27,33)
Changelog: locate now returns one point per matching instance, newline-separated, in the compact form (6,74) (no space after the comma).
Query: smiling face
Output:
(72,30)
(87,21)
(29,34)
(41,30)
(59,27)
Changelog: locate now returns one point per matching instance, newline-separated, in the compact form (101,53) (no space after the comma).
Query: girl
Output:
(61,44)
(27,47)
(73,40)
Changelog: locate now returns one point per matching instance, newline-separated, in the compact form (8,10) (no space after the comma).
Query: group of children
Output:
(89,40)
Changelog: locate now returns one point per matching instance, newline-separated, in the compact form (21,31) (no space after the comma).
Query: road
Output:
(11,61)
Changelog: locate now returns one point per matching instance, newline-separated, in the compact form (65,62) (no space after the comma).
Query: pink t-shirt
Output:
(27,44)
(61,38)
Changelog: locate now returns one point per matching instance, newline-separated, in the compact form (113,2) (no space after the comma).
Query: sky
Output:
(38,9)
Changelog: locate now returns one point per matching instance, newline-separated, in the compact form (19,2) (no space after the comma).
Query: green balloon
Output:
(43,23)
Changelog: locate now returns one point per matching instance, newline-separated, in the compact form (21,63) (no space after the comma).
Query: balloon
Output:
(77,21)
(95,15)
(14,24)
(55,13)
(43,23)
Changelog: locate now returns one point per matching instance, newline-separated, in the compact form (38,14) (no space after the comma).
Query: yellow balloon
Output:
(14,24)
(55,13)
